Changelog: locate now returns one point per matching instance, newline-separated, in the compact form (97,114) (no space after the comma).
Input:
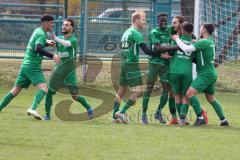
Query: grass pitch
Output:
(23,138)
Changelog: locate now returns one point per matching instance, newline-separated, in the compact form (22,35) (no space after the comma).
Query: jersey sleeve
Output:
(138,38)
(41,39)
(201,44)
(153,38)
(73,42)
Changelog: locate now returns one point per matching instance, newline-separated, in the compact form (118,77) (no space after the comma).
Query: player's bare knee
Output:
(189,94)
(177,98)
(184,100)
(45,89)
(15,91)
(210,98)
(120,94)
(121,91)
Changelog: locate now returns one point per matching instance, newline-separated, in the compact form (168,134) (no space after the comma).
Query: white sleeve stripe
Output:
(63,42)
(185,47)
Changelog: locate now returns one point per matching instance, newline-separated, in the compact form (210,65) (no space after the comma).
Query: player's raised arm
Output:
(67,28)
(182,45)
(66,43)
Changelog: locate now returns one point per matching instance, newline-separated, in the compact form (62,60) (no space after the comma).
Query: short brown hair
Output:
(46,18)
(136,15)
(209,27)
(187,26)
(181,19)
(162,14)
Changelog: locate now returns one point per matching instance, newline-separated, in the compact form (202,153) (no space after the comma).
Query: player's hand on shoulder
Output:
(166,56)
(175,36)
(51,43)
(194,41)
(56,58)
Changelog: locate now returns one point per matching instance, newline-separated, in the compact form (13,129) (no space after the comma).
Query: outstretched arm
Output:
(182,45)
(155,53)
(165,48)
(66,43)
(148,51)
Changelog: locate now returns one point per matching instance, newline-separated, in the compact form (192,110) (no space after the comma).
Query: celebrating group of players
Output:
(173,49)
(64,73)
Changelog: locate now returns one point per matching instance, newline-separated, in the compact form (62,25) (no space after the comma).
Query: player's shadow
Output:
(62,109)
(206,127)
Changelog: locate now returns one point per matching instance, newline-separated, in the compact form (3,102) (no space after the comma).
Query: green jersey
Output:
(33,59)
(67,53)
(163,37)
(68,56)
(181,62)
(65,72)
(205,55)
(130,42)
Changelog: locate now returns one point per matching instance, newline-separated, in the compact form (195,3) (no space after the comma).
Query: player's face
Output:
(202,30)
(67,27)
(48,25)
(142,22)
(162,23)
(176,24)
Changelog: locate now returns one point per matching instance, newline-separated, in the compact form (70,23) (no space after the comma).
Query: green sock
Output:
(127,105)
(84,102)
(37,99)
(172,108)
(178,106)
(196,105)
(115,108)
(6,100)
(146,97)
(218,109)
(184,110)
(48,103)
(163,101)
